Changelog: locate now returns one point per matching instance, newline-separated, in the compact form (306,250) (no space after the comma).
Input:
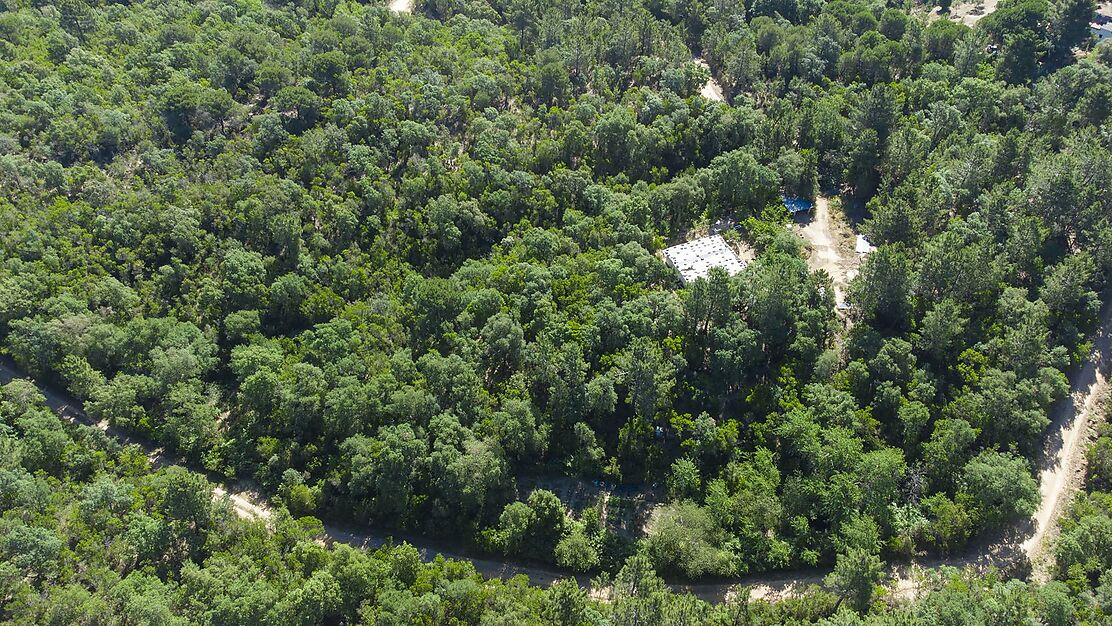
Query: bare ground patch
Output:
(711,90)
(830,245)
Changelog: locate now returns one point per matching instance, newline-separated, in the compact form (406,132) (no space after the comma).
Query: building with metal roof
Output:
(1101,30)
(694,259)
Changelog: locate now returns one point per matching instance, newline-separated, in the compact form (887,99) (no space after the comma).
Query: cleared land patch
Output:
(831,246)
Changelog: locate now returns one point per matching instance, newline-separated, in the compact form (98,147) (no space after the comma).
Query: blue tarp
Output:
(795,204)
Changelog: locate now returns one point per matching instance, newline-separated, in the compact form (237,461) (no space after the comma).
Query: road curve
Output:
(1059,469)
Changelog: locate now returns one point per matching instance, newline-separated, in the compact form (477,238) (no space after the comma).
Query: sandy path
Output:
(711,90)
(402,6)
(830,249)
(246,503)
(1060,472)
(242,505)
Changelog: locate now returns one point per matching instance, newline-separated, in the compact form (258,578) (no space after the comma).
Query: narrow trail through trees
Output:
(711,90)
(828,250)
(1059,477)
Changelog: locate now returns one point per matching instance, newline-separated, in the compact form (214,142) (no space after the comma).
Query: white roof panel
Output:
(695,258)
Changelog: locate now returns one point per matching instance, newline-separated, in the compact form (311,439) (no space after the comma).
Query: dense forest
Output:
(91,535)
(396,270)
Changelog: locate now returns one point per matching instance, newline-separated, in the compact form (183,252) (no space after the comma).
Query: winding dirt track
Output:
(1059,476)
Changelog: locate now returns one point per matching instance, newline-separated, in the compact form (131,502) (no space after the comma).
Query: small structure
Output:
(863,246)
(1102,31)
(721,225)
(796,205)
(694,259)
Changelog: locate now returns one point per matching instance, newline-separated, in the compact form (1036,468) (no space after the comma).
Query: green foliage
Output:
(1002,487)
(1083,552)
(685,539)
(392,268)
(855,577)
(119,542)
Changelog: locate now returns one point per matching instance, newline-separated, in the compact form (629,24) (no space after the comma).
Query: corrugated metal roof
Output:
(694,259)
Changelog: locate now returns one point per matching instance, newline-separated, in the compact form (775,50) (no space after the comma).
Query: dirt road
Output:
(243,505)
(247,503)
(830,247)
(1060,467)
(711,90)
